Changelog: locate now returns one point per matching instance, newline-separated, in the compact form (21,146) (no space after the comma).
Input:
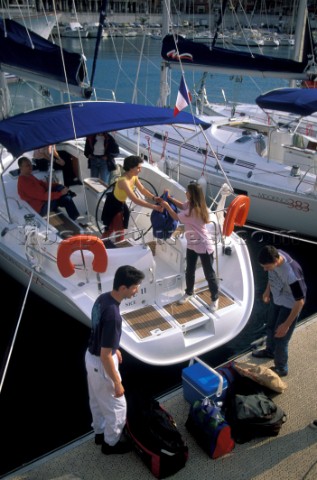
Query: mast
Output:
(5,97)
(300,29)
(300,33)
(164,88)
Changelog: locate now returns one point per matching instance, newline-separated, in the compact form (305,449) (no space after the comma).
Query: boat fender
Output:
(162,164)
(236,214)
(202,182)
(81,242)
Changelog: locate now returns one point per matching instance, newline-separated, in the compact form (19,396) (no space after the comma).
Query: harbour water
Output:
(44,402)
(130,68)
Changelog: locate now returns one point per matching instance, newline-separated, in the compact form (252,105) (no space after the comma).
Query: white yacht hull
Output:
(279,200)
(156,330)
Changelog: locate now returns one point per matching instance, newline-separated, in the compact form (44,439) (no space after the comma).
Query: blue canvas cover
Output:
(47,126)
(199,55)
(22,48)
(301,101)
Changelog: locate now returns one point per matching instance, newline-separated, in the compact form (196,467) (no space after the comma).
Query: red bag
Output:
(155,437)
(207,425)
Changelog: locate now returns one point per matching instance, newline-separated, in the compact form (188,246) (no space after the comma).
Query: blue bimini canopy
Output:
(51,125)
(300,101)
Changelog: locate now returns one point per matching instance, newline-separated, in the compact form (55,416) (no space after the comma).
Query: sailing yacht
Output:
(273,163)
(74,30)
(69,264)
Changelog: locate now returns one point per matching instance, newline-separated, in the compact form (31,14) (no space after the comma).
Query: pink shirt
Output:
(198,237)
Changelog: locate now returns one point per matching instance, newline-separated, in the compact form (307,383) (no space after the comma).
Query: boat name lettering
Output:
(296,204)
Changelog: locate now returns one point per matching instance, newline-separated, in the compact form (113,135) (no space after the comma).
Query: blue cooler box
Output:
(199,382)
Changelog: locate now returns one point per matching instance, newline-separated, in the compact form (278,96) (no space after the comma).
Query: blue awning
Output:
(300,101)
(51,125)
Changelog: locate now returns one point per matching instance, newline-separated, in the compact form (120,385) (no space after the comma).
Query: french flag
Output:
(183,97)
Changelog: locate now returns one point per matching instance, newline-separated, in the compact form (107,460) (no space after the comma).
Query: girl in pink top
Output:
(194,215)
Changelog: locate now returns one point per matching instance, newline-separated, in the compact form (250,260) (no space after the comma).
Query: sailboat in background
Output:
(67,262)
(274,164)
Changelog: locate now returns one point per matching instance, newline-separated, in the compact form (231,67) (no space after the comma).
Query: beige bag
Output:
(262,375)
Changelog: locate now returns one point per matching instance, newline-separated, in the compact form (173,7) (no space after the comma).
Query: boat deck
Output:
(145,320)
(291,455)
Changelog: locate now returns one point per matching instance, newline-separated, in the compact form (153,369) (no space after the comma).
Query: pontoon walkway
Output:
(292,455)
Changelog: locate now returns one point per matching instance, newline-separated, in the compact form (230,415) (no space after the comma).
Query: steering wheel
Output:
(146,220)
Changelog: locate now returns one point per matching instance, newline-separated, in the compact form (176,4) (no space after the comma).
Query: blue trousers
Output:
(65,201)
(206,262)
(98,168)
(279,346)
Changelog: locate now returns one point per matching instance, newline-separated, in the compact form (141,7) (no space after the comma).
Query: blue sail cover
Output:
(200,56)
(300,101)
(26,50)
(47,126)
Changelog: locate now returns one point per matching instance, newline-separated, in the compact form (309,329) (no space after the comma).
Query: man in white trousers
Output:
(106,393)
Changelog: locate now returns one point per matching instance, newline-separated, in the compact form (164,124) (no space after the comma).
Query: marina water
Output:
(44,400)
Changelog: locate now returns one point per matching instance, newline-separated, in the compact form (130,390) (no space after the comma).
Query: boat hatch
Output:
(244,139)
(229,159)
(243,163)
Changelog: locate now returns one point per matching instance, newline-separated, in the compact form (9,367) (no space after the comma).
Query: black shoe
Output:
(313,425)
(264,353)
(281,373)
(118,448)
(72,194)
(98,438)
(76,181)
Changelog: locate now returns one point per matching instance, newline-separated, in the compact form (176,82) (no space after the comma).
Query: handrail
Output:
(303,177)
(220,386)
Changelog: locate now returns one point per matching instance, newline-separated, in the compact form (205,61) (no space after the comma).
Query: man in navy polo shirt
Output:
(106,392)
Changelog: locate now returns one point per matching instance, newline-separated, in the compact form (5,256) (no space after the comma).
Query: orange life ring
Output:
(81,242)
(236,214)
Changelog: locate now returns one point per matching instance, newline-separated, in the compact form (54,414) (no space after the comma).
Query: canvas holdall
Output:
(155,437)
(262,375)
(254,416)
(207,425)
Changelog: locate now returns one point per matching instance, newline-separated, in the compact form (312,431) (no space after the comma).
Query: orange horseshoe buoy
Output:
(236,214)
(81,242)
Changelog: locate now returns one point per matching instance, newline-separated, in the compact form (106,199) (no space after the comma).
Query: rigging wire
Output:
(102,16)
(64,69)
(16,332)
(134,96)
(190,105)
(219,22)
(22,18)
